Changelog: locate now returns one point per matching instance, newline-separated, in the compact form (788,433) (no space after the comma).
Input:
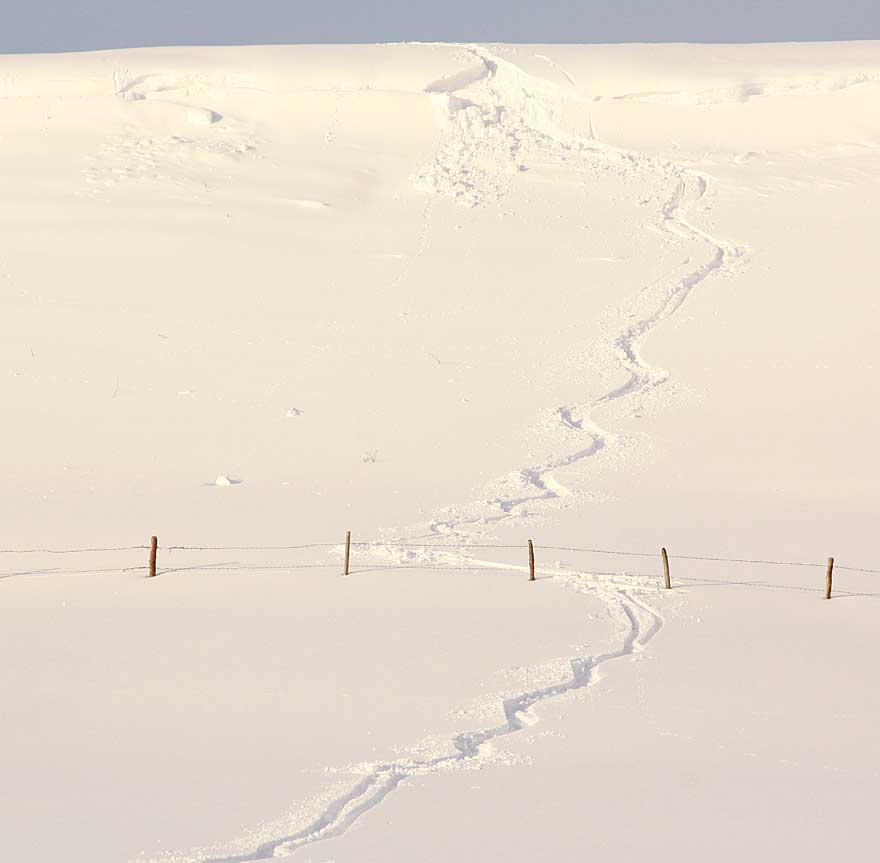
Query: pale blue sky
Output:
(75,25)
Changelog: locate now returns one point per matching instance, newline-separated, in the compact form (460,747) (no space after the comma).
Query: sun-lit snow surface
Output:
(610,297)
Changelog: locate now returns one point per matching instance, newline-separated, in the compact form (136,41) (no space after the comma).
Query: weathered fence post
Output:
(531,561)
(667,584)
(828,577)
(347,551)
(154,544)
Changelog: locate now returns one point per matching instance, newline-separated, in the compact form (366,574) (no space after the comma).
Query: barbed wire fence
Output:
(151,568)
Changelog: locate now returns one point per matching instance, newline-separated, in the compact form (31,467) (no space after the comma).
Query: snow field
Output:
(597,296)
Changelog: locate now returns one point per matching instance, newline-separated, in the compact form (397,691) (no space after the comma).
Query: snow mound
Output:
(224,480)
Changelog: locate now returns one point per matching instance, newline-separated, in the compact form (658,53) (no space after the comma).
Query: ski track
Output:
(538,484)
(570,78)
(639,622)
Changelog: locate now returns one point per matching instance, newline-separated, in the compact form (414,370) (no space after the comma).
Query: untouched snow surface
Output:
(450,298)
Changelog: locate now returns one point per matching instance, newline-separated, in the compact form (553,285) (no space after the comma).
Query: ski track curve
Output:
(479,108)
(639,622)
(514,107)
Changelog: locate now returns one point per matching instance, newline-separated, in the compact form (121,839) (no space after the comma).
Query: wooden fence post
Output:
(828,576)
(667,584)
(347,551)
(154,544)
(531,561)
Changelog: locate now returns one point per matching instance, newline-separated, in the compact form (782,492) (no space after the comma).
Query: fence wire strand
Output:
(71,550)
(251,547)
(403,544)
(596,550)
(742,560)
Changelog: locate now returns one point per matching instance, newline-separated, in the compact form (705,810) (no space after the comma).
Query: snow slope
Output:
(449,298)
